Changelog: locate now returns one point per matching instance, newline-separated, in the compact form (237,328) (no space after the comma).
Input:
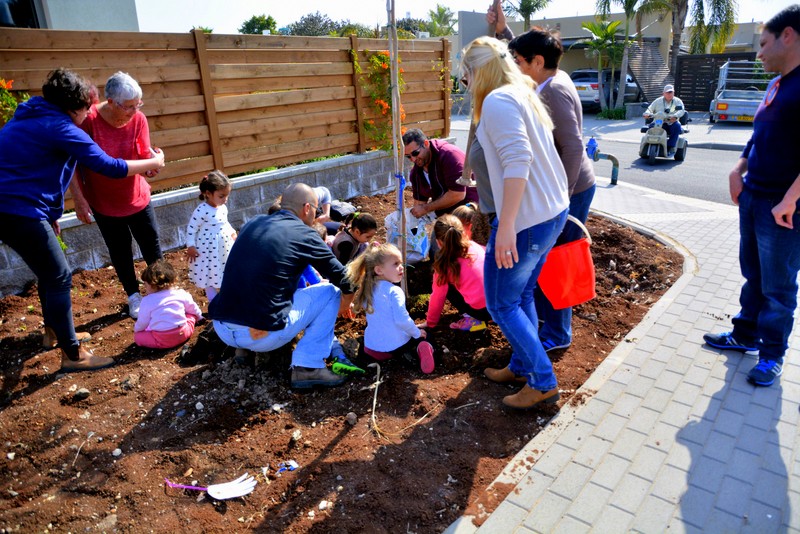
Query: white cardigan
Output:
(516,145)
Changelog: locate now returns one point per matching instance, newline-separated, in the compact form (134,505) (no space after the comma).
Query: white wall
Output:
(93,15)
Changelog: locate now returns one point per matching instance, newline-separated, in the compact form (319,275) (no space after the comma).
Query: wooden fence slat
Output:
(242,102)
(170,122)
(26,38)
(284,111)
(249,56)
(300,148)
(286,136)
(177,136)
(277,42)
(445,77)
(92,59)
(252,85)
(28,80)
(358,99)
(235,129)
(208,96)
(278,70)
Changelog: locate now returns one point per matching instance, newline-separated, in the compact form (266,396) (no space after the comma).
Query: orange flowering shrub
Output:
(377,84)
(9,101)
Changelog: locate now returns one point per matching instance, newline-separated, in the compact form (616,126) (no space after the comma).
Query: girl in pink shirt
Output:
(167,315)
(457,277)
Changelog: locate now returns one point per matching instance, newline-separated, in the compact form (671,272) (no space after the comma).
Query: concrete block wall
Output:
(346,177)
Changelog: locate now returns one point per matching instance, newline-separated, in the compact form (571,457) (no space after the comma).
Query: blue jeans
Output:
(37,245)
(673,132)
(314,311)
(769,256)
(557,325)
(509,298)
(117,233)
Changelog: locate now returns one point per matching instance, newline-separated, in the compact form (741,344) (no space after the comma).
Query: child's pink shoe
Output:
(468,324)
(425,353)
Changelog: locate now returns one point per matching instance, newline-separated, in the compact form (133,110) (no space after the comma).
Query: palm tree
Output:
(602,43)
(632,9)
(719,26)
(525,8)
(442,21)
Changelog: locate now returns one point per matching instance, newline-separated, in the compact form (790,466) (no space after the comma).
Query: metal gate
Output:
(697,77)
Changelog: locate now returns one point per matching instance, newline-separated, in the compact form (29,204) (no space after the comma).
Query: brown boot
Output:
(503,375)
(528,397)
(49,340)
(86,361)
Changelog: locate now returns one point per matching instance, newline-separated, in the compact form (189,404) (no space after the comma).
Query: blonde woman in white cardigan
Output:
(523,187)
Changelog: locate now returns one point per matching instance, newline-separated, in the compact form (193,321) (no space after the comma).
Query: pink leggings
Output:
(166,339)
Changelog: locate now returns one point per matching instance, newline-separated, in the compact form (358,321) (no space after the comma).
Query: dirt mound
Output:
(90,451)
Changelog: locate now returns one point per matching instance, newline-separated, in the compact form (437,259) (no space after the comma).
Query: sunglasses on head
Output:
(414,153)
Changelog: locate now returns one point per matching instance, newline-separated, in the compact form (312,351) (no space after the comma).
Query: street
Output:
(703,174)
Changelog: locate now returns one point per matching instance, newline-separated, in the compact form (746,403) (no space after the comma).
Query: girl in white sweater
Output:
(523,188)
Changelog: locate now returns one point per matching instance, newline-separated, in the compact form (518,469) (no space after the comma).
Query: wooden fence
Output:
(240,102)
(698,75)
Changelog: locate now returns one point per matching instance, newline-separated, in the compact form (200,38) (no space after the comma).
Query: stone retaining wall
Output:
(346,177)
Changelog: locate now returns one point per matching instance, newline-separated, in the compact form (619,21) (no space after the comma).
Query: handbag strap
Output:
(581,226)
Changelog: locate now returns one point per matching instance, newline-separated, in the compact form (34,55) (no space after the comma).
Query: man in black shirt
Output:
(259,306)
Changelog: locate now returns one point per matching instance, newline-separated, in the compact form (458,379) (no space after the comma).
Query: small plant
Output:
(61,244)
(9,100)
(376,82)
(616,114)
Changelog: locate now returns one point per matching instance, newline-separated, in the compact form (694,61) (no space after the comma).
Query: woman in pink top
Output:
(457,277)
(121,208)
(167,315)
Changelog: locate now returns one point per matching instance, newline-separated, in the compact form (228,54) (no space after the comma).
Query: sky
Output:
(226,16)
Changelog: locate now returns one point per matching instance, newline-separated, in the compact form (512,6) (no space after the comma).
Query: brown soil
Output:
(435,444)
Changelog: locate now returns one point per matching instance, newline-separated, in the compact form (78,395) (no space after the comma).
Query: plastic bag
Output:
(418,241)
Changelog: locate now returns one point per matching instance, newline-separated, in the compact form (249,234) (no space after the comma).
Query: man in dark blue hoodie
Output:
(39,149)
(765,183)
(259,307)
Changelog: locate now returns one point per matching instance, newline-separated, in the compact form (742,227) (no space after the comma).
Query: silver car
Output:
(585,81)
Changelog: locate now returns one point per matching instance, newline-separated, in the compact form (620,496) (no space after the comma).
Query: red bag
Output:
(567,278)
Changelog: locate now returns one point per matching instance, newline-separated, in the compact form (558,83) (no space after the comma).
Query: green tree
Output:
(632,9)
(525,9)
(442,21)
(603,46)
(314,25)
(412,25)
(347,28)
(717,26)
(257,24)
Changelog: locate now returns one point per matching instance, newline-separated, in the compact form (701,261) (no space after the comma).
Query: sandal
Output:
(49,340)
(87,361)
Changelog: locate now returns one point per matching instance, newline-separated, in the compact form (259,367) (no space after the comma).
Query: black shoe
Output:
(308,377)
(725,341)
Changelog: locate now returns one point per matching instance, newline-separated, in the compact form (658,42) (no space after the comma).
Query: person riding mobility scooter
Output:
(664,120)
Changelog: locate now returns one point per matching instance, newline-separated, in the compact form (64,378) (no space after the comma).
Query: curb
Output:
(524,461)
(710,145)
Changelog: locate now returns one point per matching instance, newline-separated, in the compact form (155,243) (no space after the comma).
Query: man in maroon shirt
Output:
(437,166)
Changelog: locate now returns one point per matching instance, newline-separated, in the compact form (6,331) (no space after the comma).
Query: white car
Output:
(585,81)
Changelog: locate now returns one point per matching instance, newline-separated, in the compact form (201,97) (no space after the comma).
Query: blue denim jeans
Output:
(314,311)
(118,234)
(509,298)
(37,245)
(557,325)
(769,256)
(673,132)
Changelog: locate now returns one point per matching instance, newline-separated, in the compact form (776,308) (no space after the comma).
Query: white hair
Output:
(121,87)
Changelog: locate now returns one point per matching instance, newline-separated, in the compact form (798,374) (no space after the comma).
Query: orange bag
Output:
(567,278)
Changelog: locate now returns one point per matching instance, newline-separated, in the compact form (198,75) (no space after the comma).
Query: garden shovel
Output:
(229,490)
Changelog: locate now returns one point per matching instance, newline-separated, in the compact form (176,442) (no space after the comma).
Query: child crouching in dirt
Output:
(167,315)
(457,277)
(390,330)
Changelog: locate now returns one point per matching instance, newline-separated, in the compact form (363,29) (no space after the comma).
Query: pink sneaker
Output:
(425,353)
(468,324)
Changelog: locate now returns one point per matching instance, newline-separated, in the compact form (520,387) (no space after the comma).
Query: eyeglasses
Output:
(414,153)
(129,108)
(464,81)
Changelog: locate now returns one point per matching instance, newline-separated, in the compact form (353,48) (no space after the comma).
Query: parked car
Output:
(585,81)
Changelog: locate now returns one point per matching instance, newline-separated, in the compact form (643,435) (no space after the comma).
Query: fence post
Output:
(208,97)
(446,87)
(362,141)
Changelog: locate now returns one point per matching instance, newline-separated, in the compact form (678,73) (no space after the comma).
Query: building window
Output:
(18,14)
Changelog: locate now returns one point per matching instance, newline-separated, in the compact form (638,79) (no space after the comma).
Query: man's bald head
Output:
(301,200)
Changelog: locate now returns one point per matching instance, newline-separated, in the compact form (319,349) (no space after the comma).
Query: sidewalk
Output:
(671,436)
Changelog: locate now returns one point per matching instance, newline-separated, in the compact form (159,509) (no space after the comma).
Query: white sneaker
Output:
(134,301)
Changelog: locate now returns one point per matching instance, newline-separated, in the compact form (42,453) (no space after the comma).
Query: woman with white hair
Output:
(522,185)
(121,208)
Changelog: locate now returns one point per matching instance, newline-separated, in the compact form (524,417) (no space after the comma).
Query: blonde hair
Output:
(488,66)
(455,244)
(361,273)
